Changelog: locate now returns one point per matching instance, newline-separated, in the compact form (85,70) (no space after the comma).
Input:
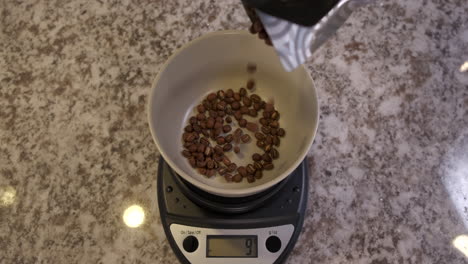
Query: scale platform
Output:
(208,229)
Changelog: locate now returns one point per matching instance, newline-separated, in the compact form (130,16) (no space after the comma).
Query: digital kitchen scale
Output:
(203,228)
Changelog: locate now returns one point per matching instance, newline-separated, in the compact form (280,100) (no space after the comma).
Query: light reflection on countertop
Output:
(7,195)
(134,216)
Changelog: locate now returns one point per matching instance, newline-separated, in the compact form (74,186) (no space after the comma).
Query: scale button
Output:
(273,244)
(190,244)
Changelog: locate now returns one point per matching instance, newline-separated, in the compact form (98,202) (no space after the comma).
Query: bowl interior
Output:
(218,61)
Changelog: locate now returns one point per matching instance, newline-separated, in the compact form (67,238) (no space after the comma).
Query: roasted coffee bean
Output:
(206,132)
(266,114)
(220,94)
(229,100)
(242,122)
(229,138)
(221,114)
(253,113)
(219,119)
(216,165)
(218,150)
(242,92)
(227,128)
(208,151)
(199,156)
(274,124)
(221,106)
(203,124)
(222,171)
(250,84)
(260,144)
(266,130)
(266,158)
(201,117)
(187,144)
(226,161)
(201,164)
(235,105)
(193,120)
(192,162)
(229,111)
(228,177)
(210,163)
(251,67)
(201,109)
(210,173)
(268,166)
(237,133)
(227,147)
(247,102)
(188,128)
(269,108)
(268,148)
(274,153)
(191,137)
(281,132)
(255,98)
(201,148)
(244,110)
(193,148)
(238,115)
(242,171)
(237,97)
(257,106)
(220,140)
(250,178)
(206,104)
(236,149)
(218,158)
(232,167)
(228,120)
(258,166)
(237,178)
(210,122)
(202,171)
(218,131)
(274,131)
(229,93)
(245,138)
(211,97)
(213,114)
(275,115)
(250,169)
(264,121)
(258,175)
(269,140)
(197,128)
(218,125)
(186,153)
(259,136)
(276,141)
(257,157)
(252,127)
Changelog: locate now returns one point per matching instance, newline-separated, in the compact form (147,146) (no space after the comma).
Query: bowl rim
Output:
(211,189)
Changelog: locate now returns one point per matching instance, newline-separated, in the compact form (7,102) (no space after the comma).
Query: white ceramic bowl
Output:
(218,61)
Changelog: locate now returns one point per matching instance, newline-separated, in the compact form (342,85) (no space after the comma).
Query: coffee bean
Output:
(211,97)
(219,119)
(242,123)
(228,177)
(250,169)
(186,153)
(197,128)
(216,165)
(269,140)
(203,124)
(257,157)
(192,162)
(258,166)
(228,120)
(238,115)
(205,132)
(221,114)
(255,98)
(229,138)
(274,124)
(257,106)
(268,148)
(281,132)
(269,108)
(188,128)
(210,173)
(229,100)
(237,178)
(244,110)
(218,125)
(213,114)
(229,93)
(260,144)
(264,121)
(202,171)
(199,156)
(222,171)
(275,115)
(242,171)
(253,113)
(242,92)
(193,148)
(218,150)
(232,167)
(220,140)
(276,141)
(208,151)
(250,179)
(226,161)
(274,153)
(251,67)
(201,148)
(210,122)
(252,127)
(268,166)
(187,144)
(266,114)
(245,138)
(247,102)
(236,149)
(266,130)
(218,158)
(266,158)
(259,136)
(210,163)
(229,111)
(220,94)
(274,131)
(206,104)
(193,120)
(237,97)
(221,106)
(235,105)
(227,128)
(258,174)
(201,164)
(201,109)
(250,84)
(227,147)
(190,137)
(201,117)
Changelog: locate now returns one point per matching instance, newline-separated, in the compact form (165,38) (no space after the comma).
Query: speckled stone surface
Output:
(389,166)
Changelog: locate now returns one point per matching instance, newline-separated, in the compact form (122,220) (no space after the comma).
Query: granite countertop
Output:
(389,166)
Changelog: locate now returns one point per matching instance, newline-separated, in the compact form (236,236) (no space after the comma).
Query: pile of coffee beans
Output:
(210,134)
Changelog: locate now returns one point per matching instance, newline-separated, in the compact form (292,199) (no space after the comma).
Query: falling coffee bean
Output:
(250,84)
(236,149)
(251,67)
